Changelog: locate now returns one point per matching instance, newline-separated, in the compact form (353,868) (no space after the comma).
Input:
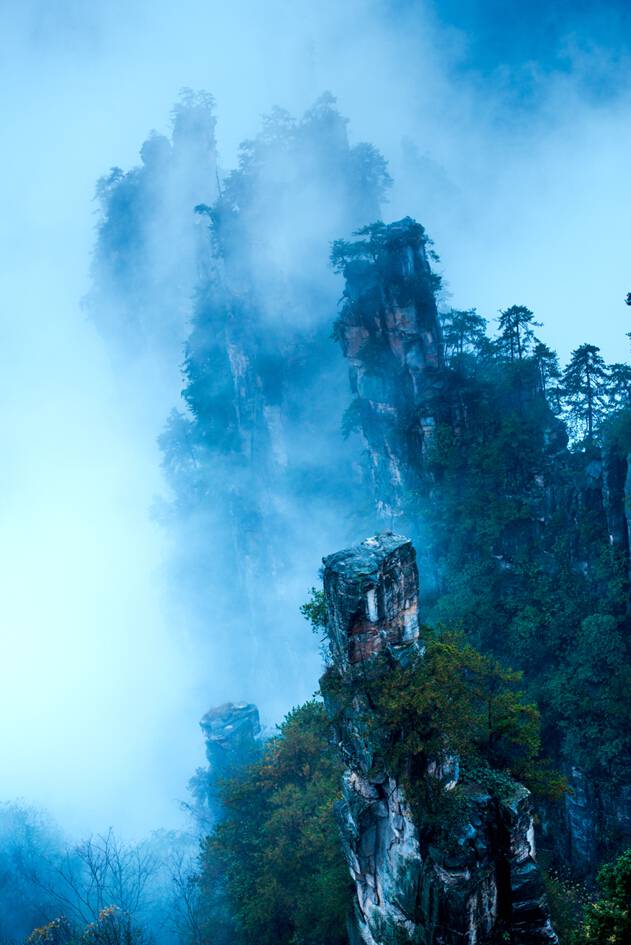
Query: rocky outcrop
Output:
(423,421)
(390,334)
(372,598)
(409,886)
(259,449)
(149,244)
(489,885)
(232,733)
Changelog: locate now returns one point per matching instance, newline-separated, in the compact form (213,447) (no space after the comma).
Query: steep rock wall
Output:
(406,399)
(408,888)
(390,334)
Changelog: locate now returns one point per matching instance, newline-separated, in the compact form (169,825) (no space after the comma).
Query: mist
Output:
(102,682)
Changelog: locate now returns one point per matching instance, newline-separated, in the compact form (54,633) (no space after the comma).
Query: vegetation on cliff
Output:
(511,476)
(274,863)
(276,853)
(511,470)
(148,248)
(600,915)
(448,703)
(607,920)
(257,440)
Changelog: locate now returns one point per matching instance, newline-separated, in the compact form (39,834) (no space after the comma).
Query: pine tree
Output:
(516,335)
(584,384)
(547,363)
(619,385)
(463,332)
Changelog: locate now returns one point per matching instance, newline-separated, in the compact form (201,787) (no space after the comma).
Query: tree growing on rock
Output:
(273,872)
(584,384)
(548,372)
(619,388)
(516,332)
(463,333)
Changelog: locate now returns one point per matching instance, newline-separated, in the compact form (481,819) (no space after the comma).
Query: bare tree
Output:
(100,873)
(185,917)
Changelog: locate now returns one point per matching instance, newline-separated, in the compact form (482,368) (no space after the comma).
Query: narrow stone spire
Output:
(474,884)
(371,595)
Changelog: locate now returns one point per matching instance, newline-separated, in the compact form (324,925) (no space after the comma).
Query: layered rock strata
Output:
(408,889)
(390,334)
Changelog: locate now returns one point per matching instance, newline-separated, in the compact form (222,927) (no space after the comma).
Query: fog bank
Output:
(524,195)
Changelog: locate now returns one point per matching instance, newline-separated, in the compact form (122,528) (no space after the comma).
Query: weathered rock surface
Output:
(404,396)
(232,733)
(372,597)
(591,821)
(616,493)
(486,881)
(391,336)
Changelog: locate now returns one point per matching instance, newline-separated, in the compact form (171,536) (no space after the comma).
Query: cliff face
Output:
(595,820)
(259,452)
(149,243)
(616,493)
(470,458)
(410,887)
(404,391)
(390,334)
(259,449)
(372,598)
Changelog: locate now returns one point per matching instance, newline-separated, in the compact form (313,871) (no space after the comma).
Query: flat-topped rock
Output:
(371,593)
(230,731)
(366,557)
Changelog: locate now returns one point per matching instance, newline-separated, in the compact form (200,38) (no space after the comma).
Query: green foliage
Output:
(619,385)
(193,117)
(278,848)
(547,364)
(463,334)
(506,560)
(516,335)
(314,610)
(209,387)
(380,245)
(316,157)
(449,702)
(616,431)
(370,169)
(567,899)
(607,921)
(590,693)
(584,385)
